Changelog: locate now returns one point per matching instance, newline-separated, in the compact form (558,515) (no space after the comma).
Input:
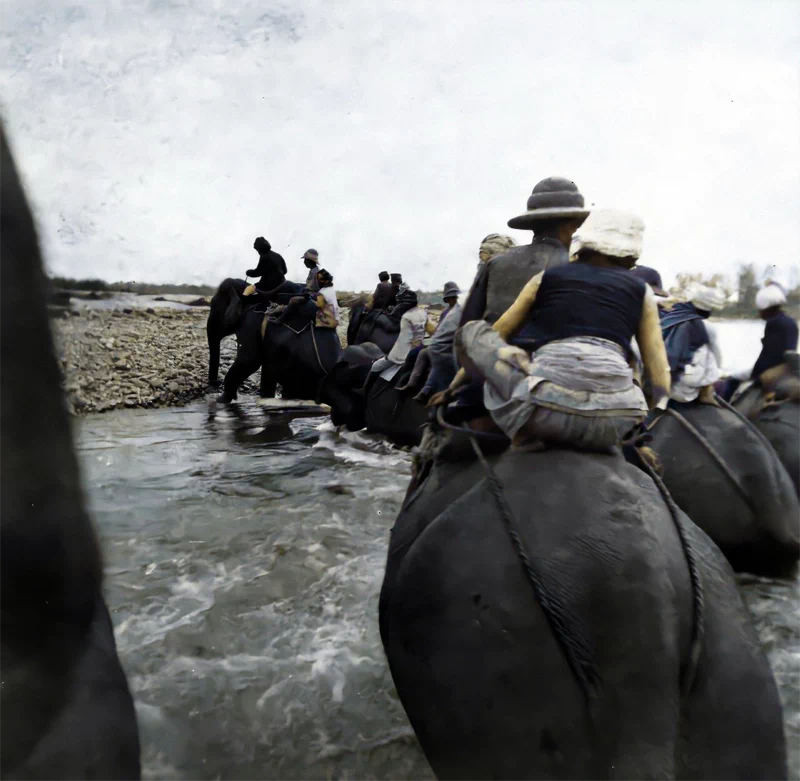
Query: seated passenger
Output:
(327,315)
(692,346)
(440,350)
(414,324)
(321,306)
(780,337)
(576,321)
(384,295)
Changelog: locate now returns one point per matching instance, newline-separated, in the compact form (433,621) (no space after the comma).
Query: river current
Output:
(244,558)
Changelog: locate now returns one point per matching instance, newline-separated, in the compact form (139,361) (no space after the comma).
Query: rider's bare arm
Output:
(651,346)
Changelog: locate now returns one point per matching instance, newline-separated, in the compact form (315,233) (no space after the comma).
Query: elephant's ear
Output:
(49,561)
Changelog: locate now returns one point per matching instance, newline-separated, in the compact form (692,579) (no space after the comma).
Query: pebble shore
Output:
(117,359)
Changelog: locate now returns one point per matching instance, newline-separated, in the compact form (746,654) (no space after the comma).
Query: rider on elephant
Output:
(311,262)
(414,324)
(578,321)
(555,212)
(442,343)
(271,268)
(318,303)
(438,356)
(780,337)
(692,346)
(652,278)
(327,314)
(384,295)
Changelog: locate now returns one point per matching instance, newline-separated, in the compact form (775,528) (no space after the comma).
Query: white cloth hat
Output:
(608,231)
(707,298)
(769,296)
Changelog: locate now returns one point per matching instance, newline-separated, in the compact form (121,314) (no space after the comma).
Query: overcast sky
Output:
(159,138)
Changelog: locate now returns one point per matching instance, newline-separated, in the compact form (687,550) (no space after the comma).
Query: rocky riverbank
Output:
(134,358)
(113,359)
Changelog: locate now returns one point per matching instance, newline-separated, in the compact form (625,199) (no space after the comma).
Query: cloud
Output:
(159,138)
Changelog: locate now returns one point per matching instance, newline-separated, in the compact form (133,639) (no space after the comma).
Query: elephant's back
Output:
(464,628)
(730,482)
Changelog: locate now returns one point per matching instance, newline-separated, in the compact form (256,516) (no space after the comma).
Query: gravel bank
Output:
(139,358)
(135,358)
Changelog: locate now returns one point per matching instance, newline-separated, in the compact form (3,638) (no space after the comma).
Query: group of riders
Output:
(565,340)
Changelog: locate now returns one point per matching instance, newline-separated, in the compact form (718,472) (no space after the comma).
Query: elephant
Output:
(68,711)
(779,422)
(384,410)
(599,645)
(728,479)
(294,354)
(378,326)
(227,308)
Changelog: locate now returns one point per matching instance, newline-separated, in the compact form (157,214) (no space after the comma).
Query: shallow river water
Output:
(243,564)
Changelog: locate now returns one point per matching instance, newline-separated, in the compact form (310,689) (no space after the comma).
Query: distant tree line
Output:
(739,290)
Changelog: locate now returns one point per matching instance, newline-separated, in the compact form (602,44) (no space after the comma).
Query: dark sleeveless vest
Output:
(578,299)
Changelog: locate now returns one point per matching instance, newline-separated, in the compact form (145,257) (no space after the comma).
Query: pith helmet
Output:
(552,199)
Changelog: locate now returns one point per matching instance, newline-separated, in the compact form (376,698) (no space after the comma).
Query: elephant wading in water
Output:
(546,620)
(728,479)
(67,709)
(294,354)
(382,409)
(778,418)
(378,327)
(226,314)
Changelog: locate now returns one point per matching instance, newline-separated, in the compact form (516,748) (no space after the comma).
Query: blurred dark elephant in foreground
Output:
(547,621)
(380,408)
(727,478)
(67,711)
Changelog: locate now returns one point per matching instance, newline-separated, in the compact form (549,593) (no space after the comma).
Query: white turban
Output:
(608,231)
(707,298)
(769,296)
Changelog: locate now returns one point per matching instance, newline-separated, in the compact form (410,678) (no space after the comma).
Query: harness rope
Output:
(575,645)
(713,453)
(695,577)
(576,648)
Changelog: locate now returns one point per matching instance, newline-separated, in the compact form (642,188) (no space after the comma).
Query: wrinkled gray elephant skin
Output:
(383,410)
(67,711)
(376,327)
(780,424)
(483,675)
(752,513)
(297,361)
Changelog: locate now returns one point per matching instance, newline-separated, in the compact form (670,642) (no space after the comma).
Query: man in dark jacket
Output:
(780,337)
(555,211)
(780,330)
(271,266)
(384,295)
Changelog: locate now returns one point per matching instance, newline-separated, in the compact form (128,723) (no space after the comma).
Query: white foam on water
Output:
(359,447)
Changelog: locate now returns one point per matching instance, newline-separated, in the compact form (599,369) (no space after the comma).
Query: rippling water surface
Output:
(244,559)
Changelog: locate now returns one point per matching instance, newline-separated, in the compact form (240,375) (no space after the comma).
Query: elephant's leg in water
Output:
(68,711)
(248,353)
